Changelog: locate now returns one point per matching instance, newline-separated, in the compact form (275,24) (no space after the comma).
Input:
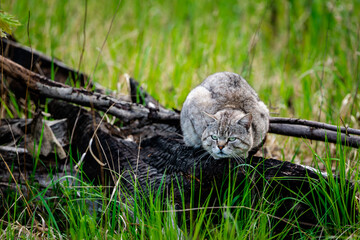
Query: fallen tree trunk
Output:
(163,162)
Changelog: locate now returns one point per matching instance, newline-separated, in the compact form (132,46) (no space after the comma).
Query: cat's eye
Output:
(214,137)
(231,139)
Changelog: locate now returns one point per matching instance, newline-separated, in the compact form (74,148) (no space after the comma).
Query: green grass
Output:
(80,210)
(302,57)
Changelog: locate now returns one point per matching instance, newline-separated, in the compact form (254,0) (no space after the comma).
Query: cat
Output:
(225,116)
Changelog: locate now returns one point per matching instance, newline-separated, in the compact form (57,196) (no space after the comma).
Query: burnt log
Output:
(20,168)
(164,162)
(12,130)
(161,161)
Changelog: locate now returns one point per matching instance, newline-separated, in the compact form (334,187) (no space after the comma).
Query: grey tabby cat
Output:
(225,116)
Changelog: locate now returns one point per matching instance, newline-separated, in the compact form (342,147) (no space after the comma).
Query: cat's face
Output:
(228,135)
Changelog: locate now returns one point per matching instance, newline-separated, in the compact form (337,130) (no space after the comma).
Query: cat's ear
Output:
(246,121)
(210,116)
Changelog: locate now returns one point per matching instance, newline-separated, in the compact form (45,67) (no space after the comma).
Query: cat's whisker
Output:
(238,159)
(203,154)
(207,155)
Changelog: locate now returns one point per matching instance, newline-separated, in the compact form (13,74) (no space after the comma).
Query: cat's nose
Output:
(220,147)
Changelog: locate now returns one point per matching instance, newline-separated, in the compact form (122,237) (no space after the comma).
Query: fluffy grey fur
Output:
(225,116)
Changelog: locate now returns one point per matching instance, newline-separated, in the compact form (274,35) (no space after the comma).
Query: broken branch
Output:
(297,121)
(47,88)
(314,134)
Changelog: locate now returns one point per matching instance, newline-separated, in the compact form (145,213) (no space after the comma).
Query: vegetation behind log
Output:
(298,56)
